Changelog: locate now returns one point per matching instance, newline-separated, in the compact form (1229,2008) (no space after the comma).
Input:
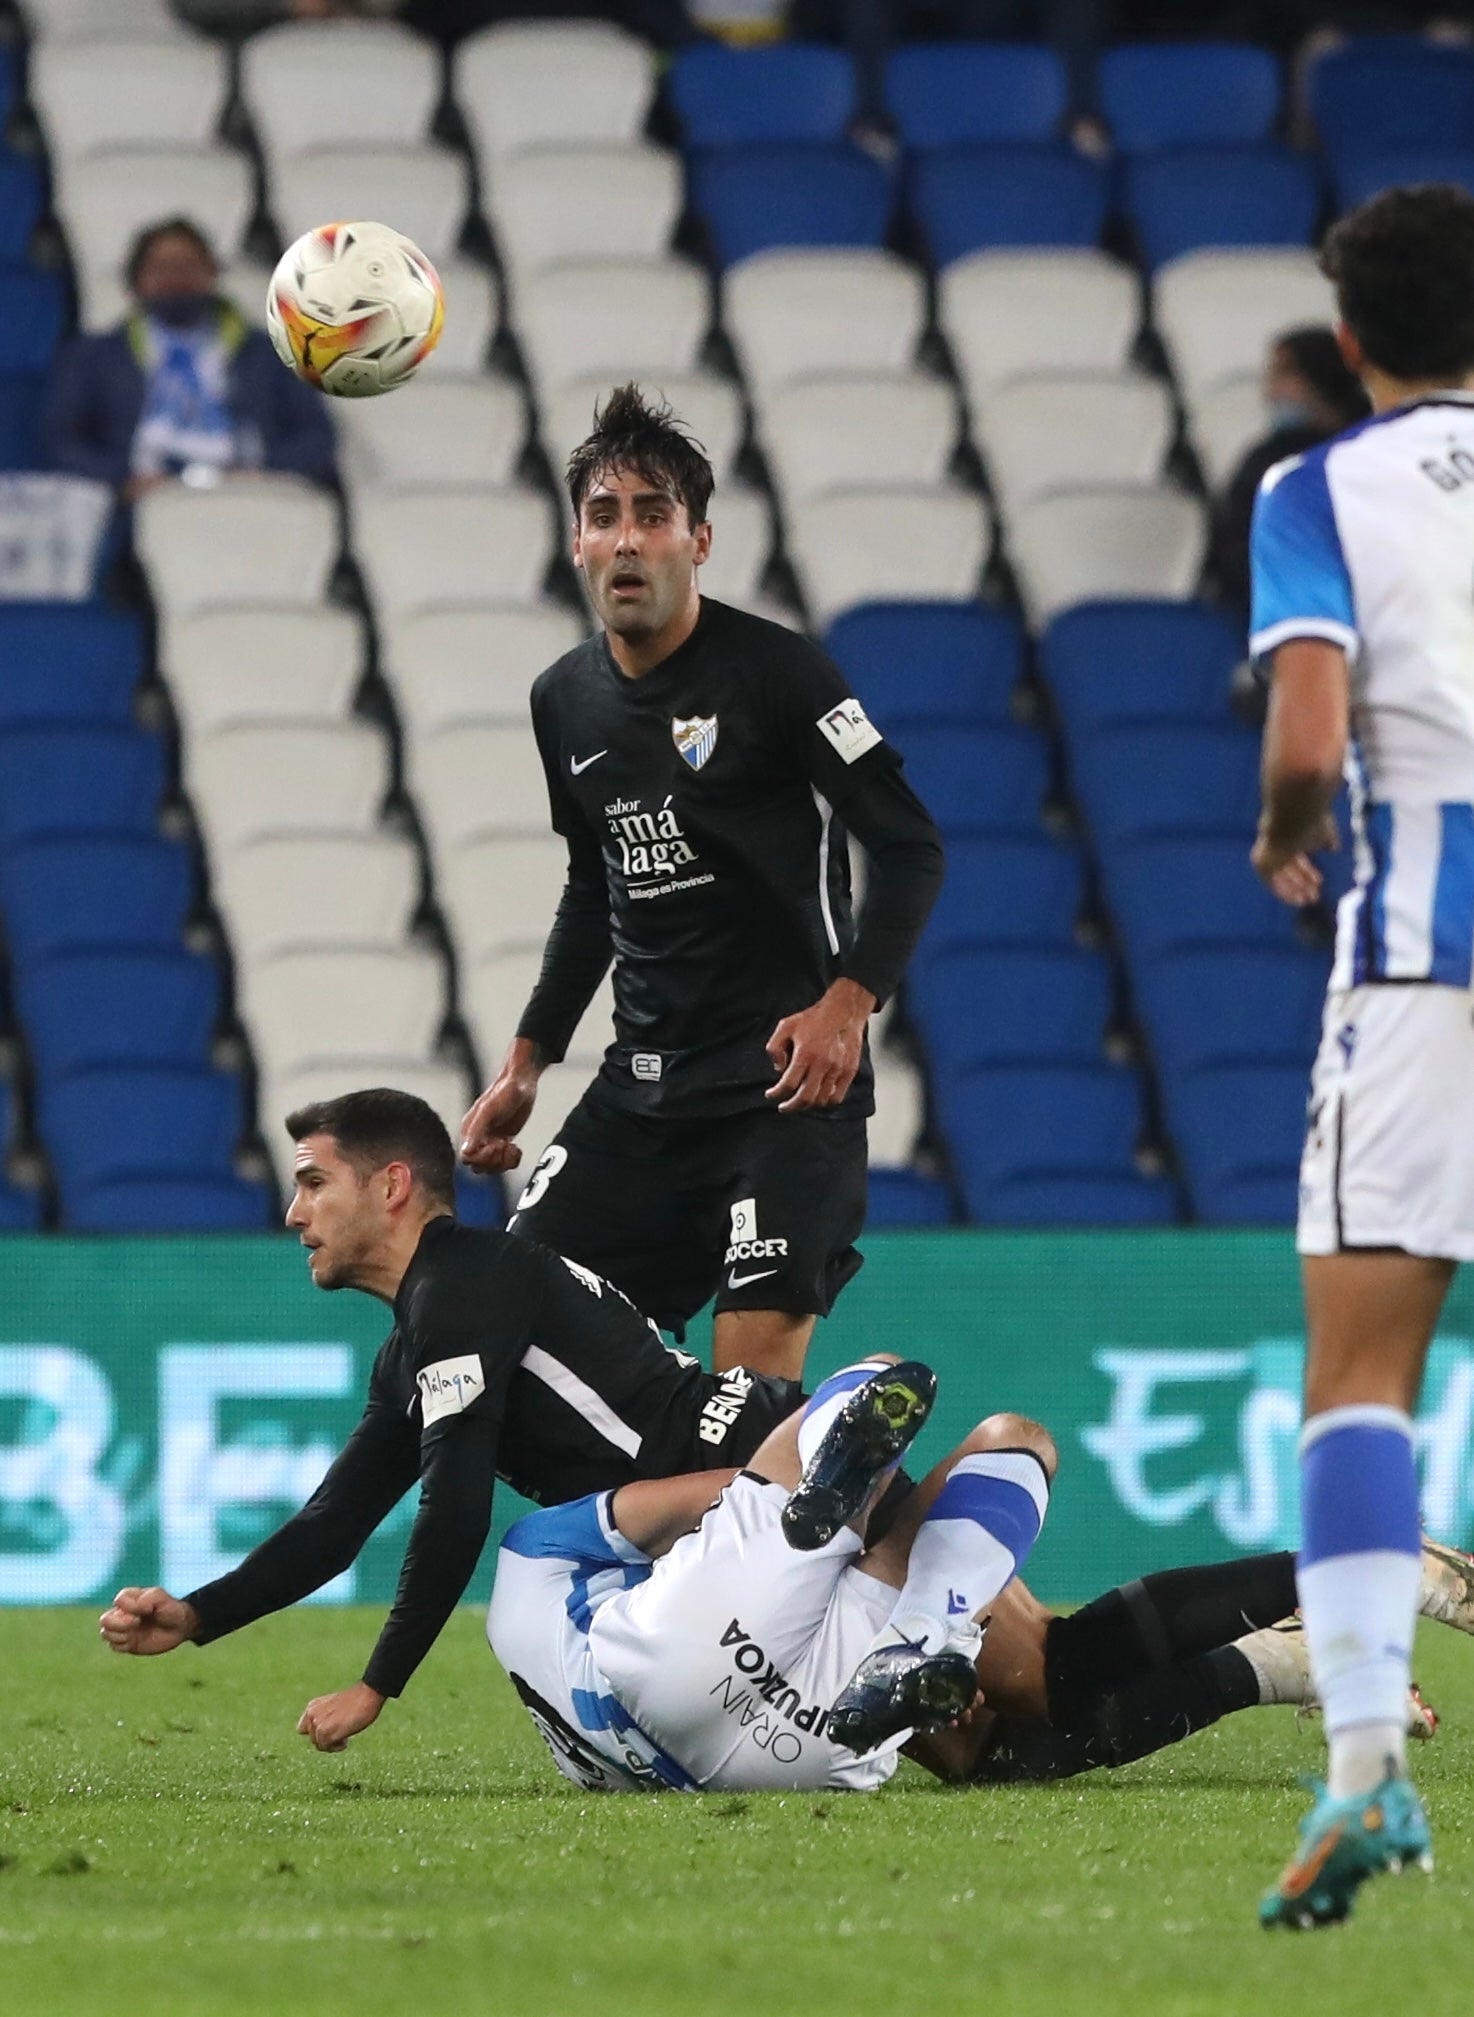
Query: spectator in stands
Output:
(1310,395)
(183,387)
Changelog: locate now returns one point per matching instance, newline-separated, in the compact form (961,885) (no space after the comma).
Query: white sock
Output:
(829,1397)
(975,1536)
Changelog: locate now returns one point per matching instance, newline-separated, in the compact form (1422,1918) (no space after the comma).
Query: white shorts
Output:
(1389,1152)
(715,1667)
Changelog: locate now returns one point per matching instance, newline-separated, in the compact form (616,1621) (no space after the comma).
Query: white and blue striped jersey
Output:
(1369,542)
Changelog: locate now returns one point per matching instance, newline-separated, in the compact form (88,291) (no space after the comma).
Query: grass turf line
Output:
(169,1847)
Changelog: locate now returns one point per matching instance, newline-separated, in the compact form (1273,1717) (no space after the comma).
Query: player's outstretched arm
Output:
(148,1621)
(502,1111)
(330,1720)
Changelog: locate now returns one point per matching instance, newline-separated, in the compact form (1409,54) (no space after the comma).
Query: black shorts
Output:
(760,1209)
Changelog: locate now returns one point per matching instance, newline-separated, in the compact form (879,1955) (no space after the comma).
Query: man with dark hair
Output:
(703,766)
(1363,594)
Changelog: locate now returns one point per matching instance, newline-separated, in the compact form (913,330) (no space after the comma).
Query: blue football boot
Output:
(919,1677)
(1342,1843)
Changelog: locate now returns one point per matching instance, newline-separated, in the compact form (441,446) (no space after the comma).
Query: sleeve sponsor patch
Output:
(850,729)
(449,1387)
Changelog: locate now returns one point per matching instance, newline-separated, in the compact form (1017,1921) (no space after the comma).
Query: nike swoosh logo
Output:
(736,1281)
(577,768)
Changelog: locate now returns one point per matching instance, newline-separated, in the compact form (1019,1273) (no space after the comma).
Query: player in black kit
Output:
(703,766)
(505,1361)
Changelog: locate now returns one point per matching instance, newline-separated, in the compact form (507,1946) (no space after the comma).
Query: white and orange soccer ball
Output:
(354,309)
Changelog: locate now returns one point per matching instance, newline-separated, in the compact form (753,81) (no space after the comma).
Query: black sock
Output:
(1145,1715)
(1158,1620)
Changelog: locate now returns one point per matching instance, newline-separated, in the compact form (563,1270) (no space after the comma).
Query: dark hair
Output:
(168,227)
(383,1126)
(1403,269)
(651,442)
(1316,355)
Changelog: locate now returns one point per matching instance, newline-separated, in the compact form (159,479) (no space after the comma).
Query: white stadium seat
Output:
(348,1003)
(250,780)
(529,84)
(499,893)
(741,547)
(900,1105)
(613,319)
(496,988)
(1225,422)
(1099,545)
(470,544)
(308,85)
(450,431)
(257,539)
(888,545)
(443,1087)
(244,283)
(463,665)
(296,892)
(549,204)
(859,433)
(474,781)
(229,665)
(473,311)
(106,198)
(128,91)
(708,407)
(1072,433)
(425,191)
(1217,312)
(1006,313)
(77,18)
(791,314)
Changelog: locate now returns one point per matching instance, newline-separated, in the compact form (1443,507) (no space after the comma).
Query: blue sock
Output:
(976,1535)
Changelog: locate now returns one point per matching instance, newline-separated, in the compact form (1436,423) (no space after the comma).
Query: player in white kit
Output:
(1363,596)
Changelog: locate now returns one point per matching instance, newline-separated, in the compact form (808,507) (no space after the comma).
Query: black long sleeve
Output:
(577,954)
(906,864)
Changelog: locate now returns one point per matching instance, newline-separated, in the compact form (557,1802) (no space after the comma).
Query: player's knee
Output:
(1016,1432)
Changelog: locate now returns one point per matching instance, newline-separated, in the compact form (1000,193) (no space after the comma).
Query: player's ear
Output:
(577,545)
(703,542)
(1352,354)
(399,1182)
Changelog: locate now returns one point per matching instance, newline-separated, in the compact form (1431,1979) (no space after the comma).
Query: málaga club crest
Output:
(695,739)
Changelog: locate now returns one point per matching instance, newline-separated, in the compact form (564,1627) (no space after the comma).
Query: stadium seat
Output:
(853,432)
(118,1008)
(294,891)
(929,662)
(1040,1005)
(1188,94)
(464,665)
(980,780)
(22,394)
(1172,778)
(741,547)
(123,90)
(79,779)
(67,662)
(236,665)
(1105,1198)
(905,1198)
(1013,1121)
(709,406)
(75,19)
(1101,545)
(550,204)
(1021,890)
(480,1201)
(1385,92)
(144,1121)
(347,1003)
(734,97)
(1113,662)
(251,779)
(1178,892)
(854,546)
(196,1204)
(495,989)
(790,314)
(312,84)
(1050,433)
(466,544)
(473,780)
(611,319)
(1231,1005)
(551,83)
(951,94)
(765,197)
(896,1126)
(1007,314)
(442,1087)
(32,312)
(20,204)
(452,431)
(1224,423)
(499,892)
(272,540)
(473,310)
(1217,312)
(1190,198)
(1358,176)
(426,190)
(972,199)
(1239,1130)
(105,198)
(20,1211)
(76,891)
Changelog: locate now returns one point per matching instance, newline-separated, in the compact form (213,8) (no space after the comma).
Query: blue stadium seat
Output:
(7,83)
(1384,92)
(1239,1130)
(1185,94)
(1188,198)
(195,1204)
(906,1198)
(78,780)
(32,313)
(1024,890)
(64,662)
(761,197)
(1088,1200)
(949,94)
(20,1211)
(1182,778)
(152,1122)
(1166,895)
(20,204)
(480,1201)
(980,780)
(21,393)
(731,97)
(1009,1121)
(920,662)
(93,891)
(118,1008)
(1045,1005)
(1357,177)
(977,199)
(1232,1005)
(1114,662)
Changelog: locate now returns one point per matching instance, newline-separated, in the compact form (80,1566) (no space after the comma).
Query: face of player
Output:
(338,1215)
(639,553)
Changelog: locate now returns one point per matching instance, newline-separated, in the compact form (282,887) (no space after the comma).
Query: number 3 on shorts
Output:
(544,1170)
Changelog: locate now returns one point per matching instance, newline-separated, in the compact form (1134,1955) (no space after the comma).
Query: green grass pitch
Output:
(170,1848)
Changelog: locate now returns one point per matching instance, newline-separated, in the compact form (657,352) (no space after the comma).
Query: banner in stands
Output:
(164,1404)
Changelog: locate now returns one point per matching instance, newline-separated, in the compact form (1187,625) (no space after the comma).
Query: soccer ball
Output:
(354,309)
